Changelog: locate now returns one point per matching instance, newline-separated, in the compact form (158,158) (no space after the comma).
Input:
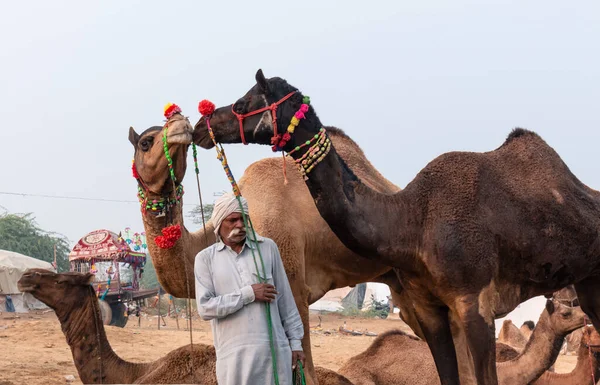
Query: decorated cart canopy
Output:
(105,245)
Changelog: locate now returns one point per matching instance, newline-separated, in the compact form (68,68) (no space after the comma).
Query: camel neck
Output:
(175,264)
(581,374)
(539,354)
(366,221)
(93,356)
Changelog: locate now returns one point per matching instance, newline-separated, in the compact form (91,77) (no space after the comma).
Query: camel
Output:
(527,328)
(315,260)
(74,301)
(587,363)
(469,229)
(511,335)
(398,358)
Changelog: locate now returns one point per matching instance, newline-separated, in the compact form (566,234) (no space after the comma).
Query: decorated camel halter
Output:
(318,146)
(272,108)
(162,206)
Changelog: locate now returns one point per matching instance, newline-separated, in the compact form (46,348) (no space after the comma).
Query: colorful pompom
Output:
(171,109)
(206,107)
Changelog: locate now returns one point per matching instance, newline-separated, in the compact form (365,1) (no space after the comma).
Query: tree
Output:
(149,279)
(196,215)
(21,234)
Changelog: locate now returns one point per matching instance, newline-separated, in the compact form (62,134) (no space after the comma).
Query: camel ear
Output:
(89,278)
(550,307)
(262,81)
(133,137)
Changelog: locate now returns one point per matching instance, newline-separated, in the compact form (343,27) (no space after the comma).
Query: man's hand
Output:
(298,355)
(264,292)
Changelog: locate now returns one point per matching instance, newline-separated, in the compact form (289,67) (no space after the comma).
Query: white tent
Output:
(12,267)
(332,300)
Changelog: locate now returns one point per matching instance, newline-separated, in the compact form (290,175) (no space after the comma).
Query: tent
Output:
(12,267)
(359,296)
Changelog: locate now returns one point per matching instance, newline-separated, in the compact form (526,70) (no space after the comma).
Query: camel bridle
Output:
(272,107)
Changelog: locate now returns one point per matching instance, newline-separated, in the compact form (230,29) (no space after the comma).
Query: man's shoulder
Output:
(208,252)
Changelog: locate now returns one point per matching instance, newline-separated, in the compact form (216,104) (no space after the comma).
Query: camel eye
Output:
(145,144)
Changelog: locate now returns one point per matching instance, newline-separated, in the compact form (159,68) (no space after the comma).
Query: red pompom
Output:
(206,107)
(171,109)
(134,170)
(170,235)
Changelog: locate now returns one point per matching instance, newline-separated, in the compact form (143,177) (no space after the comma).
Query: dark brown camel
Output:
(470,228)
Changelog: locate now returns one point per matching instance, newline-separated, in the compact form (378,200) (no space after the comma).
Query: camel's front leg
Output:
(434,323)
(478,324)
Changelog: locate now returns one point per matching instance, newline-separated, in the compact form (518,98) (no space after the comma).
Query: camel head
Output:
(259,128)
(56,289)
(564,319)
(591,339)
(150,160)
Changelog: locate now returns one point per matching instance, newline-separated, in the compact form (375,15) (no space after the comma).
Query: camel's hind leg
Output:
(435,326)
(478,326)
(588,293)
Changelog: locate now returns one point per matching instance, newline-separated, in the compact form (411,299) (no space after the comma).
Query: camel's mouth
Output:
(179,131)
(201,136)
(179,138)
(25,287)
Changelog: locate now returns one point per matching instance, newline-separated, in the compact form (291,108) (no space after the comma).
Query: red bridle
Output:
(272,107)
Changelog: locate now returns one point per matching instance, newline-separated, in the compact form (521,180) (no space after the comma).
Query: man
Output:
(230,295)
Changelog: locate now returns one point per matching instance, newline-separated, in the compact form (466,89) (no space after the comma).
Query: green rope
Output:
(298,375)
(261,279)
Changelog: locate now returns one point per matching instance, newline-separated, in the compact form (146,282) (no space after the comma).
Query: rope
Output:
(248,224)
(589,353)
(185,266)
(298,375)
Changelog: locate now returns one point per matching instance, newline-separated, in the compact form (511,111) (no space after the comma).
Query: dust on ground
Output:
(33,349)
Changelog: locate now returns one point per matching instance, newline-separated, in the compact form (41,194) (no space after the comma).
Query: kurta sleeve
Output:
(211,305)
(288,311)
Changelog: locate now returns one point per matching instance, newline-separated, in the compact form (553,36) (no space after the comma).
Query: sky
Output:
(407,81)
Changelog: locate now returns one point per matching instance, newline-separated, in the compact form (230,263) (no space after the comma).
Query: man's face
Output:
(232,229)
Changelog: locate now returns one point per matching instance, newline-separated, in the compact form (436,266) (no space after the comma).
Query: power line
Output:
(75,198)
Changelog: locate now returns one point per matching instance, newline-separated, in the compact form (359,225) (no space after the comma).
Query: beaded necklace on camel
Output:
(320,144)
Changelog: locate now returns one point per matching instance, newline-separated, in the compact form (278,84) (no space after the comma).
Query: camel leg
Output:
(434,324)
(588,293)
(479,332)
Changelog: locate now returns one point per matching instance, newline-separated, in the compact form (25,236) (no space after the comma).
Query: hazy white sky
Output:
(407,80)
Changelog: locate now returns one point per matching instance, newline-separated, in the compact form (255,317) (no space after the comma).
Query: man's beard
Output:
(237,235)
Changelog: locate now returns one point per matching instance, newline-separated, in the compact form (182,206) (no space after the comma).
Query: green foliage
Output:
(20,233)
(196,214)
(149,279)
(377,309)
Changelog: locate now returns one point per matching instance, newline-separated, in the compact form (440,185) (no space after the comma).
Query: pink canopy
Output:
(105,245)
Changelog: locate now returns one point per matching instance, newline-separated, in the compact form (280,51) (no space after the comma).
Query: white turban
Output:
(226,205)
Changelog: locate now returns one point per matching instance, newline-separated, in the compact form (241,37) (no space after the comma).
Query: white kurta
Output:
(225,297)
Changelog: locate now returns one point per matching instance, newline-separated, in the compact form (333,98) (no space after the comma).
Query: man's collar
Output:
(247,242)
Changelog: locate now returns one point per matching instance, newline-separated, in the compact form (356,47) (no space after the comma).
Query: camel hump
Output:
(519,132)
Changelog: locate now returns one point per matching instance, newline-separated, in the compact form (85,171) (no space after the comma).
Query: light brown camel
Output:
(511,335)
(397,358)
(527,328)
(314,258)
(74,301)
(587,363)
(512,223)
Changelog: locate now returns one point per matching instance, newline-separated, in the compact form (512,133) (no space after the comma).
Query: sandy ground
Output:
(33,348)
